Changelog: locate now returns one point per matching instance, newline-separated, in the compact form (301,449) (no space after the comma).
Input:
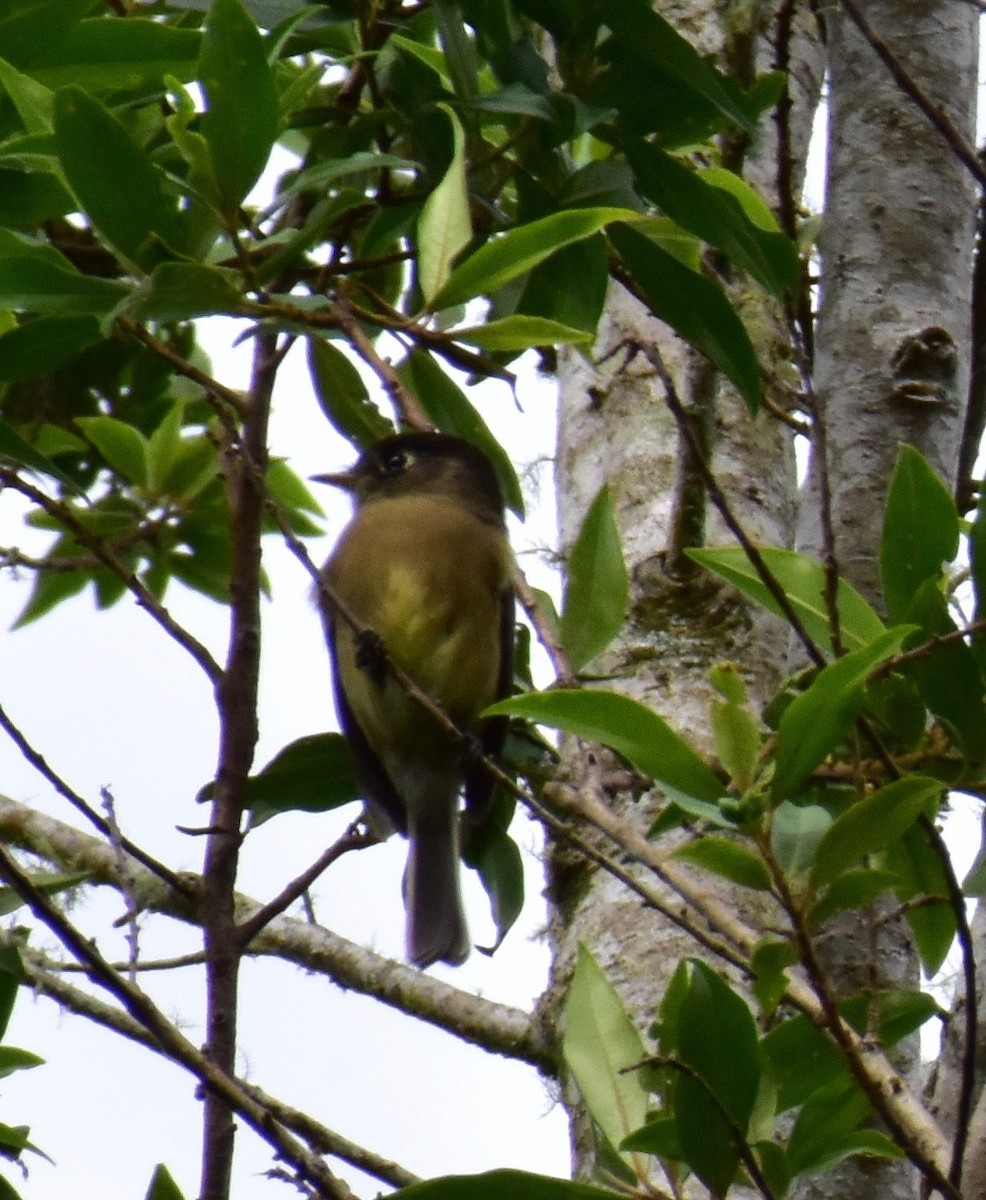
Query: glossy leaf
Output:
(446,405)
(948,680)
(717,1039)
(977,562)
(795,832)
(599,1041)
(628,727)
(131,55)
(920,531)
(918,871)
(514,253)
(737,740)
(41,346)
(728,859)
(182,291)
(503,1185)
(597,588)
(715,216)
(693,306)
(771,958)
(501,871)
(871,823)
(11,978)
(312,774)
(342,394)
(14,449)
(803,581)
(854,889)
(521,333)
(817,721)
(162,1186)
(48,882)
(445,227)
(243,113)
(120,189)
(123,446)
(37,284)
(655,44)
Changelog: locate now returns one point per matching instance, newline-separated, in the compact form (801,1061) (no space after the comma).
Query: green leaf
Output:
(803,581)
(726,858)
(599,1041)
(737,741)
(15,449)
(447,406)
(521,332)
(313,774)
(12,1059)
(817,721)
(30,24)
(42,346)
(948,680)
(795,831)
(716,217)
(48,882)
(597,588)
(854,889)
(498,861)
(628,727)
(919,871)
(717,1039)
(243,115)
(503,1185)
(977,560)
(182,291)
(342,395)
(822,1133)
(445,227)
(871,823)
(693,306)
(33,101)
(123,192)
(920,531)
(162,1186)
(512,254)
(119,56)
(123,446)
(11,978)
(36,284)
(654,44)
(771,958)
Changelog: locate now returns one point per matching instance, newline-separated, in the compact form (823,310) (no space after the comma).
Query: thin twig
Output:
(355,838)
(144,597)
(171,1043)
(37,760)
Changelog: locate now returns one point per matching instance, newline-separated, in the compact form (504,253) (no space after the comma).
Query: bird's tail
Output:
(436,923)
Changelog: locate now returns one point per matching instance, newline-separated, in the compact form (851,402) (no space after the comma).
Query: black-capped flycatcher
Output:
(424,565)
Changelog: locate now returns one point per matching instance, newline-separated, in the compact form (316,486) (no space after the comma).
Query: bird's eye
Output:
(395,462)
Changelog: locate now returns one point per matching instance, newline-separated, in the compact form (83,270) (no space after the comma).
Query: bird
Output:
(421,576)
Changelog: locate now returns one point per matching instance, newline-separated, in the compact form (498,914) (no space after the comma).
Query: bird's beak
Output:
(346,480)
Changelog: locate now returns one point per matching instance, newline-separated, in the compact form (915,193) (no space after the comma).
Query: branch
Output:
(496,1028)
(171,1043)
(144,597)
(43,980)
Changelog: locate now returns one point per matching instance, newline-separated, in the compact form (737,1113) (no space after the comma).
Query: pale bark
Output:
(892,359)
(614,427)
(883,377)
